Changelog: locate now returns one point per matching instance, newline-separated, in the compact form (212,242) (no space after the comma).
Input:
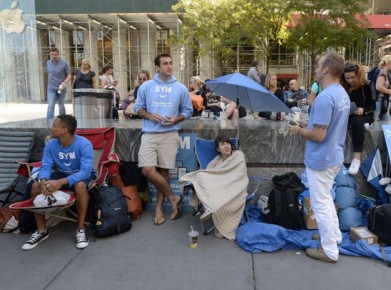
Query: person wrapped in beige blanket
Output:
(222,187)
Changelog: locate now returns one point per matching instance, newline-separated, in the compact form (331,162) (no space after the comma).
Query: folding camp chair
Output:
(13,145)
(205,151)
(105,162)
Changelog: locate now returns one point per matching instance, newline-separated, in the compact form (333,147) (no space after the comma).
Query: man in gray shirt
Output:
(256,75)
(59,75)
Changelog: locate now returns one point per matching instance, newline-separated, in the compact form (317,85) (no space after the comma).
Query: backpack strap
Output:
(277,203)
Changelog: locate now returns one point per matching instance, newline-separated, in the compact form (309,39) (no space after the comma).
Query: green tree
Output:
(211,27)
(266,25)
(319,25)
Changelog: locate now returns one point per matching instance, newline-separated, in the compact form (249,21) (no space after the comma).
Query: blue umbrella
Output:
(247,93)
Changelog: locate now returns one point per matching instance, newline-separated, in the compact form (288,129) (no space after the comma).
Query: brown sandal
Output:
(158,221)
(178,209)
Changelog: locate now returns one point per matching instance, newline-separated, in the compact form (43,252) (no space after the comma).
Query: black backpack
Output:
(283,205)
(379,223)
(372,76)
(110,212)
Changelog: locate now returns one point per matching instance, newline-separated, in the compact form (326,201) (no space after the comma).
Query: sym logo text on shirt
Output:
(162,91)
(67,157)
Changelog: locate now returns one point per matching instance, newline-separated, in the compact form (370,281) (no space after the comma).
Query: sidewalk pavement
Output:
(21,112)
(152,257)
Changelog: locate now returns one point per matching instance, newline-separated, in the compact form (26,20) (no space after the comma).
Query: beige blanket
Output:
(222,187)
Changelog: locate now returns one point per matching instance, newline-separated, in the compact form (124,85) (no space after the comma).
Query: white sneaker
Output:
(81,239)
(34,240)
(354,167)
(384,181)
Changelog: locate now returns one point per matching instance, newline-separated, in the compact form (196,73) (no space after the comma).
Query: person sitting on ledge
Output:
(362,94)
(221,188)
(72,157)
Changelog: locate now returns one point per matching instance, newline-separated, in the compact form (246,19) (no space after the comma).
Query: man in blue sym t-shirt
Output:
(71,157)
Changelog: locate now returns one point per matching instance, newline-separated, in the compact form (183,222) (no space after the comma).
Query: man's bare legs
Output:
(39,218)
(82,199)
(159,178)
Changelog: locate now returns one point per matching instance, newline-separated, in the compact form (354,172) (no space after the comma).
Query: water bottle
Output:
(60,89)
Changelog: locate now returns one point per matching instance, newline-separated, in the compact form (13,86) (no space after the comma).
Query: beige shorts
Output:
(158,149)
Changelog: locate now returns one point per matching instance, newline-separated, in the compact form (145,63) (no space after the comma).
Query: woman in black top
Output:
(271,85)
(85,78)
(362,95)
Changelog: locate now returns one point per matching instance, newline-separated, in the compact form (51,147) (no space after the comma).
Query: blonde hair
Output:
(267,80)
(87,61)
(385,60)
(197,80)
(142,71)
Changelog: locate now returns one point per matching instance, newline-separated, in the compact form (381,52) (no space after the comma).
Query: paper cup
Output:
(193,239)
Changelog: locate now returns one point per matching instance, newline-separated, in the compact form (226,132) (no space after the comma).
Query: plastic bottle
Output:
(60,89)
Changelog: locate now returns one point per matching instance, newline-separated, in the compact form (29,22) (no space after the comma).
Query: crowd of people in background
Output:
(369,96)
(205,101)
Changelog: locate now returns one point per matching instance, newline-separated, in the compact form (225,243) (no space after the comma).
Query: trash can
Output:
(93,104)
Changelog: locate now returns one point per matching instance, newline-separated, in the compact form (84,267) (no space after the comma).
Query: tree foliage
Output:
(212,27)
(318,25)
(266,25)
(217,27)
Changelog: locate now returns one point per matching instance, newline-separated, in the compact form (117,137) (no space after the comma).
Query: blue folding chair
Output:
(205,152)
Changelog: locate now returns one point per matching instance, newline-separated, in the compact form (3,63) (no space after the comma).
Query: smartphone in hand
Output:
(165,120)
(293,123)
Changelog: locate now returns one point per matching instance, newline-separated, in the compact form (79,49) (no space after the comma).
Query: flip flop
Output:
(158,221)
(178,209)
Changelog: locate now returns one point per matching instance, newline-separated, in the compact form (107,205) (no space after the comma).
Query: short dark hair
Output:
(163,54)
(335,63)
(223,139)
(254,63)
(106,68)
(54,49)
(69,122)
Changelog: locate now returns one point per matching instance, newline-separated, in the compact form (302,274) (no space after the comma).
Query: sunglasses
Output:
(350,67)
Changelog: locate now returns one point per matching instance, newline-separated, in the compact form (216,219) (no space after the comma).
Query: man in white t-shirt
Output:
(324,154)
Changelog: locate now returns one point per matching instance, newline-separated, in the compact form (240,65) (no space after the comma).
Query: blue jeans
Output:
(54,97)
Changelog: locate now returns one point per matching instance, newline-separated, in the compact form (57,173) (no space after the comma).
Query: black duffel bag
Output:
(379,223)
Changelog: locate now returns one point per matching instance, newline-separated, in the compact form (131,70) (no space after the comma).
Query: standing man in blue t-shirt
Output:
(163,103)
(59,75)
(326,134)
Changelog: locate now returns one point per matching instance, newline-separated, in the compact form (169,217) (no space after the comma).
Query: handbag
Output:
(130,109)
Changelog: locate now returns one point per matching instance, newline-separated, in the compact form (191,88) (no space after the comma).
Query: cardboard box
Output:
(309,216)
(358,233)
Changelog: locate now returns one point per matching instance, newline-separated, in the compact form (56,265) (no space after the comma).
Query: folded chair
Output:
(13,145)
(205,151)
(105,162)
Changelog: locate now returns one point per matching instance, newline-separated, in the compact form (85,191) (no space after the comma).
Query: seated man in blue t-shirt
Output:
(67,164)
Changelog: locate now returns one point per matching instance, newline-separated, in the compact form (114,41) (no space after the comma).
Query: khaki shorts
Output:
(158,149)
